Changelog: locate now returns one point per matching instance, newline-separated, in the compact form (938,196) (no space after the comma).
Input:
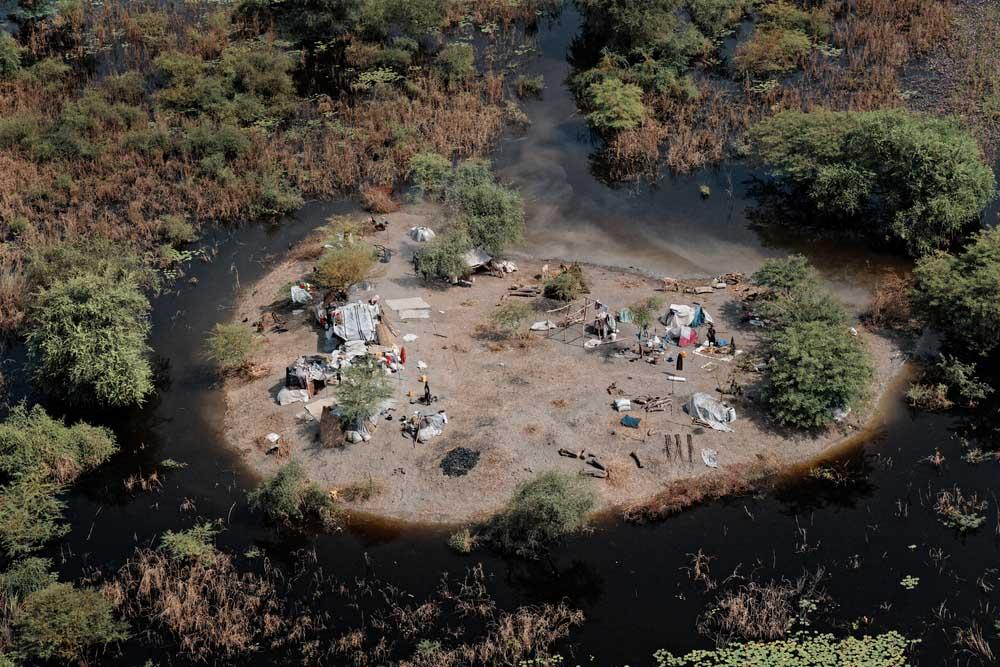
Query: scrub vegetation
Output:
(817,366)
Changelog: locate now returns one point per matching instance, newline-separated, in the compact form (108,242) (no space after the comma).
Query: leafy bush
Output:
(510,315)
(816,369)
(193,544)
(529,86)
(26,576)
(176,230)
(33,442)
(542,511)
(493,216)
(342,266)
(960,294)
(363,386)
(64,622)
(231,345)
(917,179)
(567,285)
(457,63)
(644,312)
(615,106)
(88,336)
(803,649)
(291,500)
(30,514)
(948,381)
(442,256)
(10,56)
(430,173)
(462,541)
(716,17)
(59,262)
(816,21)
(772,50)
(930,397)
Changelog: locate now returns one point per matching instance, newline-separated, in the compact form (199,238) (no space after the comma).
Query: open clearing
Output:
(516,402)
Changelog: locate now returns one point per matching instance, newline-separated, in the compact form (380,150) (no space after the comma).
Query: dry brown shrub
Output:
(619,471)
(207,607)
(890,305)
(684,493)
(378,199)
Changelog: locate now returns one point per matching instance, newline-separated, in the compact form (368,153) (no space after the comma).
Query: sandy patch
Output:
(515,403)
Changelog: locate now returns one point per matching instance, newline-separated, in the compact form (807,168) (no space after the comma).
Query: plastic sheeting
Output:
(300,295)
(711,410)
(431,426)
(356,322)
(421,234)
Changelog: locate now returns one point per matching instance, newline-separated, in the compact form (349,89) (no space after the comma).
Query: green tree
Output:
(510,315)
(10,56)
(443,256)
(815,369)
(615,105)
(64,622)
(26,576)
(344,265)
(292,501)
(920,180)
(231,345)
(88,336)
(960,294)
(542,511)
(430,173)
(363,386)
(457,62)
(32,441)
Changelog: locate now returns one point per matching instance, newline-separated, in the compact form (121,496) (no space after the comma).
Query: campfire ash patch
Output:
(459,461)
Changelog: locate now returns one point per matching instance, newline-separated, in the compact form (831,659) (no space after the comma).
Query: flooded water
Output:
(866,533)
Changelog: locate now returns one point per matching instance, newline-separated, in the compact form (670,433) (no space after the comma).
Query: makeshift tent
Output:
(421,234)
(710,410)
(356,322)
(681,321)
(476,258)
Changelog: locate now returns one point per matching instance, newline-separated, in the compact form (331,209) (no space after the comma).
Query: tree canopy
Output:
(88,335)
(915,179)
(959,294)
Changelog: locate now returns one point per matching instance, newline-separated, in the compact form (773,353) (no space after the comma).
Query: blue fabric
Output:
(631,422)
(699,317)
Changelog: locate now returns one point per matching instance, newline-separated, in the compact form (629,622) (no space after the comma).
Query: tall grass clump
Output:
(542,511)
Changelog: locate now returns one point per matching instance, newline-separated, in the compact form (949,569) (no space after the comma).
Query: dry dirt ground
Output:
(517,402)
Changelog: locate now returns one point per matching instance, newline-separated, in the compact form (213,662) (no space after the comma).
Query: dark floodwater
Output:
(867,534)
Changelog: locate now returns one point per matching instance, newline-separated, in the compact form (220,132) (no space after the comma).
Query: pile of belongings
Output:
(710,411)
(421,234)
(425,427)
(351,322)
(681,322)
(358,431)
(301,292)
(305,377)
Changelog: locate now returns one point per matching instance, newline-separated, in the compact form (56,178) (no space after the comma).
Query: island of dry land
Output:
(516,402)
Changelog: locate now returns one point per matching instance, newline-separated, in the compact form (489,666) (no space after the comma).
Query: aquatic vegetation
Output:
(193,544)
(614,105)
(64,622)
(859,166)
(463,541)
(803,649)
(959,511)
(542,511)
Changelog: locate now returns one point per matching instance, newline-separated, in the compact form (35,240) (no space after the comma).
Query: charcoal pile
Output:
(459,461)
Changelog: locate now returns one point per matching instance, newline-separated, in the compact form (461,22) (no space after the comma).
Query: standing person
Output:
(427,392)
(711,335)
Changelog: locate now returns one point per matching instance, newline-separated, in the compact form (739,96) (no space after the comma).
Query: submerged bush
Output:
(193,544)
(292,501)
(919,180)
(542,511)
(26,576)
(615,106)
(64,622)
(31,514)
(960,294)
(231,345)
(88,336)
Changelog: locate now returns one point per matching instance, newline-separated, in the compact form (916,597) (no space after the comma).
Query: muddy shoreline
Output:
(514,402)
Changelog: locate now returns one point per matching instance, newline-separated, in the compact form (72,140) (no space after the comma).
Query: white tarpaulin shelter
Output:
(710,410)
(421,234)
(476,257)
(356,322)
(299,295)
(681,321)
